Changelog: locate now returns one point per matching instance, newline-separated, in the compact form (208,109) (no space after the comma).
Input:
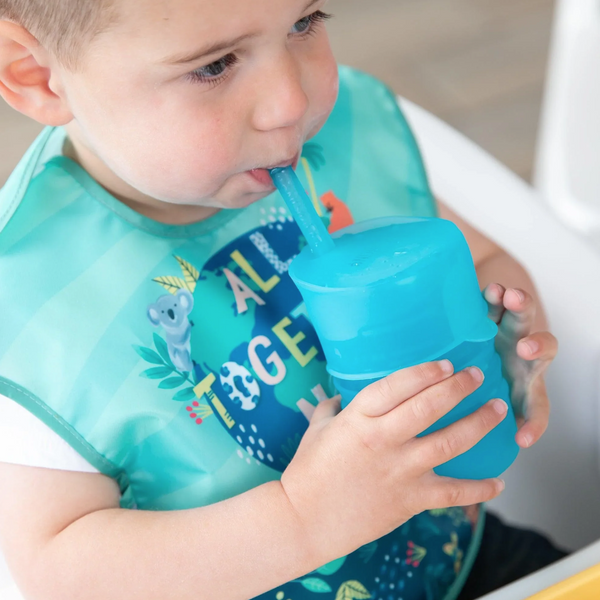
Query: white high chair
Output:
(556,485)
(568,161)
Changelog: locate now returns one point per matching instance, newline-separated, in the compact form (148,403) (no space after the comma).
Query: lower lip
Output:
(264,178)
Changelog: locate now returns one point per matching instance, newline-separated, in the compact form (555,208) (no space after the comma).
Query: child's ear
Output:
(26,81)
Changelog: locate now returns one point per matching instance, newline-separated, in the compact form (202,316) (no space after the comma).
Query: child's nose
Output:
(281,100)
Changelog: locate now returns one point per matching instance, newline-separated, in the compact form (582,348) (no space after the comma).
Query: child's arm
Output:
(527,350)
(357,475)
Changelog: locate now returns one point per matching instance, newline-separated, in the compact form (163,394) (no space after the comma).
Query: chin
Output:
(247,199)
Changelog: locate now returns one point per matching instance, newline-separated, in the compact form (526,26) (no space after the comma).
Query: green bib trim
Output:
(21,178)
(472,553)
(136,219)
(55,422)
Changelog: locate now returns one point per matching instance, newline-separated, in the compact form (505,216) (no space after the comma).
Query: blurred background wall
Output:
(478,64)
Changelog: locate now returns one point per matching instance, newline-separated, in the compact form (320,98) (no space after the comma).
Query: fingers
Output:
(386,394)
(494,296)
(538,415)
(429,406)
(445,492)
(519,315)
(542,346)
(448,443)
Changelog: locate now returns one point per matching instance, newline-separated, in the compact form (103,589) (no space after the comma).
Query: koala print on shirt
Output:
(172,314)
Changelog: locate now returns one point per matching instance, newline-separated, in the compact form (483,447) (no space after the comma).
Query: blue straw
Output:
(297,200)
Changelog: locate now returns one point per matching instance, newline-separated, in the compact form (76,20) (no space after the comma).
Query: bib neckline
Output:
(132,217)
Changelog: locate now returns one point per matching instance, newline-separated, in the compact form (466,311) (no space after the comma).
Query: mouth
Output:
(263,177)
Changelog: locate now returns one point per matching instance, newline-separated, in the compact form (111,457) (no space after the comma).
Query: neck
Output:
(163,212)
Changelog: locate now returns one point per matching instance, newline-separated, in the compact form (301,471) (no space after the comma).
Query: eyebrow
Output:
(217,47)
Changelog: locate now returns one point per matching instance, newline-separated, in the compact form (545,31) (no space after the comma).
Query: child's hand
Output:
(360,473)
(525,356)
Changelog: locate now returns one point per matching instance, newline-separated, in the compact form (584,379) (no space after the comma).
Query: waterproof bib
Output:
(180,360)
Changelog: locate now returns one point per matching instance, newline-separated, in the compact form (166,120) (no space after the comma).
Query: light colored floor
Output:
(478,64)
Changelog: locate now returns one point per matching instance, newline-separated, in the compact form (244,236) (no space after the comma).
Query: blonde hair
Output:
(63,27)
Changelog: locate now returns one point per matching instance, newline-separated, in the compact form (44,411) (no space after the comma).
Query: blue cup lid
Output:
(394,292)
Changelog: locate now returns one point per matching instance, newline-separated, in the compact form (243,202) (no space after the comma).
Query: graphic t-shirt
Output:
(181,361)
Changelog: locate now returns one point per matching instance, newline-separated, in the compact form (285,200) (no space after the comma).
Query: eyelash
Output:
(314,19)
(230,60)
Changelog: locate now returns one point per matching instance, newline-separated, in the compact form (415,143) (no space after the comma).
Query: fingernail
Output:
(446,366)
(476,374)
(495,291)
(533,346)
(520,295)
(500,406)
(527,440)
(501,484)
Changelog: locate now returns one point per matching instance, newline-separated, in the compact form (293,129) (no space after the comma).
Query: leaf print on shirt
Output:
(313,153)
(352,590)
(173,284)
(366,552)
(171,378)
(191,274)
(333,567)
(315,585)
(452,549)
(456,514)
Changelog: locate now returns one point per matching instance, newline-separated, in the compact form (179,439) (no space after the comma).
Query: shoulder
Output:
(33,201)
(30,168)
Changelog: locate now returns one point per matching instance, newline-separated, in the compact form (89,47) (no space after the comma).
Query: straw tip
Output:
(277,170)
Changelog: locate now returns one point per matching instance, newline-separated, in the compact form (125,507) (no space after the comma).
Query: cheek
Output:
(186,161)
(331,85)
(206,144)
(321,73)
(163,147)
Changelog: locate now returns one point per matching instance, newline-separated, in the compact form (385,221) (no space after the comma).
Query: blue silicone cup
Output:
(397,292)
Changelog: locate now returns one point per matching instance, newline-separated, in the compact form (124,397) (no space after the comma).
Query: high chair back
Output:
(567,170)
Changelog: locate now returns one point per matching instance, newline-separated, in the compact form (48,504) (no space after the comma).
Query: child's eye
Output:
(215,72)
(306,25)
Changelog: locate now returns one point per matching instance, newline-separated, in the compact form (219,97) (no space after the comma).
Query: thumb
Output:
(326,410)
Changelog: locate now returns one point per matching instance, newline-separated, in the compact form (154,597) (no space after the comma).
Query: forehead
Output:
(163,24)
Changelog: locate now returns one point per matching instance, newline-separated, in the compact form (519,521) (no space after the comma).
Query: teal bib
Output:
(180,361)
